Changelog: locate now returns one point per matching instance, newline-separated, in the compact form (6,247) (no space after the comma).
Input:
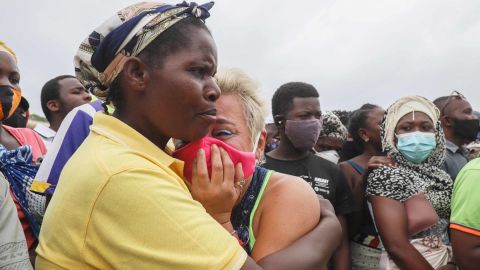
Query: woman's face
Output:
(231,125)
(414,121)
(374,120)
(179,99)
(9,79)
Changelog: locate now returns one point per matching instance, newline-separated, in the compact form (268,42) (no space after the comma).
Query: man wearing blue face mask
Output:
(297,115)
(460,126)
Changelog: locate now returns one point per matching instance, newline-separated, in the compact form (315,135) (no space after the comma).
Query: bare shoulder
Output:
(292,190)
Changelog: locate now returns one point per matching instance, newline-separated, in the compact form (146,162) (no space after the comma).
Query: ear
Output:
(279,121)
(363,134)
(262,141)
(53,105)
(136,74)
(446,121)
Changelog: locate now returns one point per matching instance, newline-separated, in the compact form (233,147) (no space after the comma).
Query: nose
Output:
(211,91)
(4,80)
(87,96)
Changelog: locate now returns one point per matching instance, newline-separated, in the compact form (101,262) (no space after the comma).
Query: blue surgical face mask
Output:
(416,146)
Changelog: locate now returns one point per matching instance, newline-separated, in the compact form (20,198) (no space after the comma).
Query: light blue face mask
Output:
(416,146)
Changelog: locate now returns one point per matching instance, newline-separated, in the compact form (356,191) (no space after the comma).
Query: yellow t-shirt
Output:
(121,204)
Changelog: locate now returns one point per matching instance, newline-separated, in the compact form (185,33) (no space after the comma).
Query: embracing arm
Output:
(391,220)
(466,249)
(289,209)
(312,251)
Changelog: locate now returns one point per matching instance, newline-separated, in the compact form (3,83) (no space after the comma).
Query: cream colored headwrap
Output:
(5,48)
(405,106)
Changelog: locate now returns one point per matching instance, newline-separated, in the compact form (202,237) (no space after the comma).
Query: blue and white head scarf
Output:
(16,165)
(102,54)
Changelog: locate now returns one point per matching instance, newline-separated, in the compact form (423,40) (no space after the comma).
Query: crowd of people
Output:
(171,165)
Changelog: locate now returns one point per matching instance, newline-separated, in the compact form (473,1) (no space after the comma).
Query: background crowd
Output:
(171,164)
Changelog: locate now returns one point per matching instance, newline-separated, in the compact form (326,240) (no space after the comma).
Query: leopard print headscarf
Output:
(426,177)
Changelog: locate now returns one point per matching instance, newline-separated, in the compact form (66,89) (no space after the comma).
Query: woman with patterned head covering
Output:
(20,148)
(331,138)
(121,201)
(411,202)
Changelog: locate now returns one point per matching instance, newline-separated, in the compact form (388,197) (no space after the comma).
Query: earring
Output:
(366,140)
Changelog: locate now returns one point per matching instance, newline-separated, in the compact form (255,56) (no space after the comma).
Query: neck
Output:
(370,150)
(286,150)
(450,135)
(55,123)
(150,134)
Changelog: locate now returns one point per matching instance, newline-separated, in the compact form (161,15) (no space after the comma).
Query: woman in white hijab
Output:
(411,202)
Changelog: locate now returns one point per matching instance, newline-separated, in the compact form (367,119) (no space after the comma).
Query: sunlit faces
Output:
(459,109)
(304,109)
(414,121)
(231,125)
(374,120)
(72,94)
(9,74)
(179,98)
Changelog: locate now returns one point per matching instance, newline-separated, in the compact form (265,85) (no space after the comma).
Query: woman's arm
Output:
(288,210)
(218,195)
(391,220)
(312,251)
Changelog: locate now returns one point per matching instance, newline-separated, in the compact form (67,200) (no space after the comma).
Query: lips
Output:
(210,114)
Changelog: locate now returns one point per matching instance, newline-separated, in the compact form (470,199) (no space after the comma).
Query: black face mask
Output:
(467,129)
(17,120)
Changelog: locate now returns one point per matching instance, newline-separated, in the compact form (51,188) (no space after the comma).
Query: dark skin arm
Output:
(312,251)
(357,185)
(391,219)
(341,258)
(466,249)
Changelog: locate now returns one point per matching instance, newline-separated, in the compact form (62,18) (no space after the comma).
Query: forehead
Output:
(69,83)
(414,117)
(8,62)
(230,108)
(201,48)
(376,113)
(304,104)
(457,104)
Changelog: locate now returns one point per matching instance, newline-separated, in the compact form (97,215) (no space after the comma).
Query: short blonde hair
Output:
(233,81)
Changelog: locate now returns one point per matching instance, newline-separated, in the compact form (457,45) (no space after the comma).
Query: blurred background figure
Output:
(460,126)
(331,139)
(273,139)
(59,96)
(19,118)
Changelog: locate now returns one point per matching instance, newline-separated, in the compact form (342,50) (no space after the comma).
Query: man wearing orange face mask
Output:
(13,140)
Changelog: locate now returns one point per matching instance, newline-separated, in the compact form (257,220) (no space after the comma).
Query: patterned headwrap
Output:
(5,48)
(333,127)
(428,173)
(103,53)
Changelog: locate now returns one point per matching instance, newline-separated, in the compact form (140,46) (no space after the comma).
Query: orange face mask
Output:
(9,105)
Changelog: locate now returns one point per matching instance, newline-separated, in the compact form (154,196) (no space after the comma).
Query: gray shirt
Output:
(13,246)
(455,159)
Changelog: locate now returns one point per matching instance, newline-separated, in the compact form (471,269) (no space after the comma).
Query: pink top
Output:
(26,136)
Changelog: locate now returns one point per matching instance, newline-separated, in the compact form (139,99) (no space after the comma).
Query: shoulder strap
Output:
(359,169)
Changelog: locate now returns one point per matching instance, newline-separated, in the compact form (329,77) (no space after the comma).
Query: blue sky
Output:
(352,51)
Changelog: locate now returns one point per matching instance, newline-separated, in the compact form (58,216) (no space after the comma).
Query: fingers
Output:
(217,167)
(199,170)
(228,168)
(239,177)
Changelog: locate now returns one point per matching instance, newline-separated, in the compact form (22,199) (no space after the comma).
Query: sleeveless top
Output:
(242,216)
(367,233)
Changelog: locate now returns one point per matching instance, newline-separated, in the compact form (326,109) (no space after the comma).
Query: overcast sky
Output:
(352,51)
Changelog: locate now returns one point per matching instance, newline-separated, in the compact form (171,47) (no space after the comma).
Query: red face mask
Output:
(188,152)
